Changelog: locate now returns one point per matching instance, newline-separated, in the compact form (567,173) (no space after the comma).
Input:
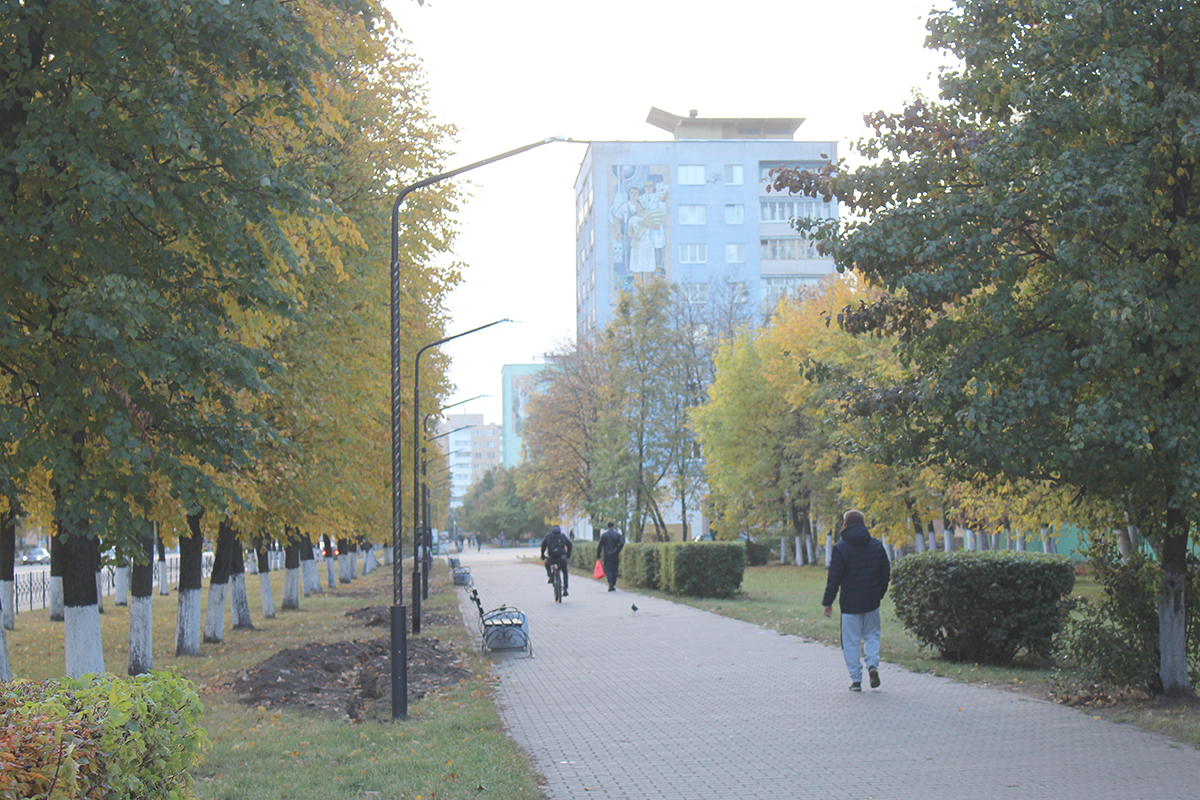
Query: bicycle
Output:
(556,579)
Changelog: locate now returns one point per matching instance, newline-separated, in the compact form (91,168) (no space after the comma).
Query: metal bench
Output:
(502,628)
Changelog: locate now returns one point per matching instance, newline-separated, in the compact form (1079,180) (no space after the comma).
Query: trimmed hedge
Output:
(104,737)
(703,569)
(641,564)
(583,555)
(984,607)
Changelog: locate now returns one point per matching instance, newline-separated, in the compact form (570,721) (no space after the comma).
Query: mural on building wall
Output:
(638,219)
(523,388)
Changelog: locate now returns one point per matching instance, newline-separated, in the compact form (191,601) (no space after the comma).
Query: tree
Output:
(1036,234)
(495,506)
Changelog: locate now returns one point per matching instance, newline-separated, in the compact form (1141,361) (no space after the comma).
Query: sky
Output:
(510,73)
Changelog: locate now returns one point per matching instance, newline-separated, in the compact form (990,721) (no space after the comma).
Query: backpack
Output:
(555,548)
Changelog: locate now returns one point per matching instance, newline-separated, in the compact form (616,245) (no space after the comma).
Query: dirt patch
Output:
(350,679)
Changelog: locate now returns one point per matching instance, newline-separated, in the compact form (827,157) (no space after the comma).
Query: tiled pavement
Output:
(673,703)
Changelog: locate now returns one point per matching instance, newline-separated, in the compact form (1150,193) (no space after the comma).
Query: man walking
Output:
(860,568)
(609,550)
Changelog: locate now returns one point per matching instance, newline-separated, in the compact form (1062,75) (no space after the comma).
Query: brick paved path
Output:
(675,703)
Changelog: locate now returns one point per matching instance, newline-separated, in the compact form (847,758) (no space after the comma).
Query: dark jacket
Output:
(610,544)
(860,568)
(566,544)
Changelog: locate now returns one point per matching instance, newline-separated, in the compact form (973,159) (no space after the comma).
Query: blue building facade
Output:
(695,211)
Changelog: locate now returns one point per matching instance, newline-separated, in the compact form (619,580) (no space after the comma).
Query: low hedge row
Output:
(103,737)
(695,569)
(984,607)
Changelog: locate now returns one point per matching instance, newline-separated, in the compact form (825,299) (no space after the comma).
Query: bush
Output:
(583,555)
(757,553)
(641,564)
(984,607)
(703,569)
(1115,639)
(105,737)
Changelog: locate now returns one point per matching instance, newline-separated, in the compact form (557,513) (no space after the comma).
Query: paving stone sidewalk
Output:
(672,703)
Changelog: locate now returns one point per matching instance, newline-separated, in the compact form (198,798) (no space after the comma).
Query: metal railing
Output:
(31,590)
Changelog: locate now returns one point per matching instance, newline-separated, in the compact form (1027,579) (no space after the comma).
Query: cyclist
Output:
(556,549)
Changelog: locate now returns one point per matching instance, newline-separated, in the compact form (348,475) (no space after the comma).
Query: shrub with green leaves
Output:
(984,607)
(641,564)
(103,737)
(1114,640)
(703,569)
(583,555)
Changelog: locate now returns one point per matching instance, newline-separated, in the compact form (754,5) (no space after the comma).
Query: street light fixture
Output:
(417,531)
(399,643)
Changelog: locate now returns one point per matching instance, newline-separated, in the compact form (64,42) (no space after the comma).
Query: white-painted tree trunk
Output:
(291,588)
(808,543)
(939,529)
(387,556)
(239,604)
(968,539)
(141,640)
(8,614)
(370,562)
(311,576)
(919,543)
(5,672)
(84,650)
(214,615)
(1172,636)
(930,541)
(100,592)
(331,571)
(56,598)
(163,587)
(1124,544)
(121,586)
(887,548)
(828,549)
(1018,540)
(268,599)
(345,569)
(187,623)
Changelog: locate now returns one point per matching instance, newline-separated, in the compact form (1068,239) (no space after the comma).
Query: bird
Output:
(634,607)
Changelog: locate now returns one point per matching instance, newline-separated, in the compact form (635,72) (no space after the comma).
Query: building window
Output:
(693,254)
(692,215)
(786,210)
(695,293)
(735,253)
(776,287)
(735,214)
(691,175)
(791,249)
(734,175)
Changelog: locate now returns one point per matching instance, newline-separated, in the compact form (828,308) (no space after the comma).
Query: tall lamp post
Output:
(399,654)
(417,530)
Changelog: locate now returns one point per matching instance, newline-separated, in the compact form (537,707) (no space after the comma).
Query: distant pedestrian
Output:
(860,568)
(609,550)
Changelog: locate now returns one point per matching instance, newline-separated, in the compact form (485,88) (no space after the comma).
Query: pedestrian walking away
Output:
(556,549)
(609,550)
(860,569)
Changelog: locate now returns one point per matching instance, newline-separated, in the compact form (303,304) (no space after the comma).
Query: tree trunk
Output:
(264,579)
(239,604)
(308,568)
(330,561)
(141,591)
(187,617)
(1172,616)
(8,557)
(1125,543)
(218,584)
(55,601)
(291,577)
(84,649)
(163,583)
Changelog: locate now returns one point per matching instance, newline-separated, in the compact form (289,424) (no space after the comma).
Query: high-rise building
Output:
(695,210)
(472,447)
(519,383)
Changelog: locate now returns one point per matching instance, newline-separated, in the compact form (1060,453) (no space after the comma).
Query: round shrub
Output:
(983,607)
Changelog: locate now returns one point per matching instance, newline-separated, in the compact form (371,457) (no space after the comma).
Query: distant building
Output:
(519,383)
(472,448)
(695,211)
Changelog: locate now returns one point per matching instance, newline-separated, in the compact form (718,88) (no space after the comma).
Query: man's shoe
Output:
(856,686)
(565,593)
(549,580)
(874,673)
(612,588)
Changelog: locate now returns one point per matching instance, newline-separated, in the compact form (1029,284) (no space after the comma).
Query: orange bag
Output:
(598,572)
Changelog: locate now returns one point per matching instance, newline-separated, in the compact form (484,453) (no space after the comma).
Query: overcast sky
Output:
(511,73)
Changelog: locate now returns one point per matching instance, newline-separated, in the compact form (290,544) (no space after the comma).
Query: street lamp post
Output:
(399,644)
(417,531)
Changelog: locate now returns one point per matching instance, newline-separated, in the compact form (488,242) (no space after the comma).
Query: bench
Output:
(502,628)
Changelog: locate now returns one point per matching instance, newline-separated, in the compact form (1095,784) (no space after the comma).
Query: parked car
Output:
(37,555)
